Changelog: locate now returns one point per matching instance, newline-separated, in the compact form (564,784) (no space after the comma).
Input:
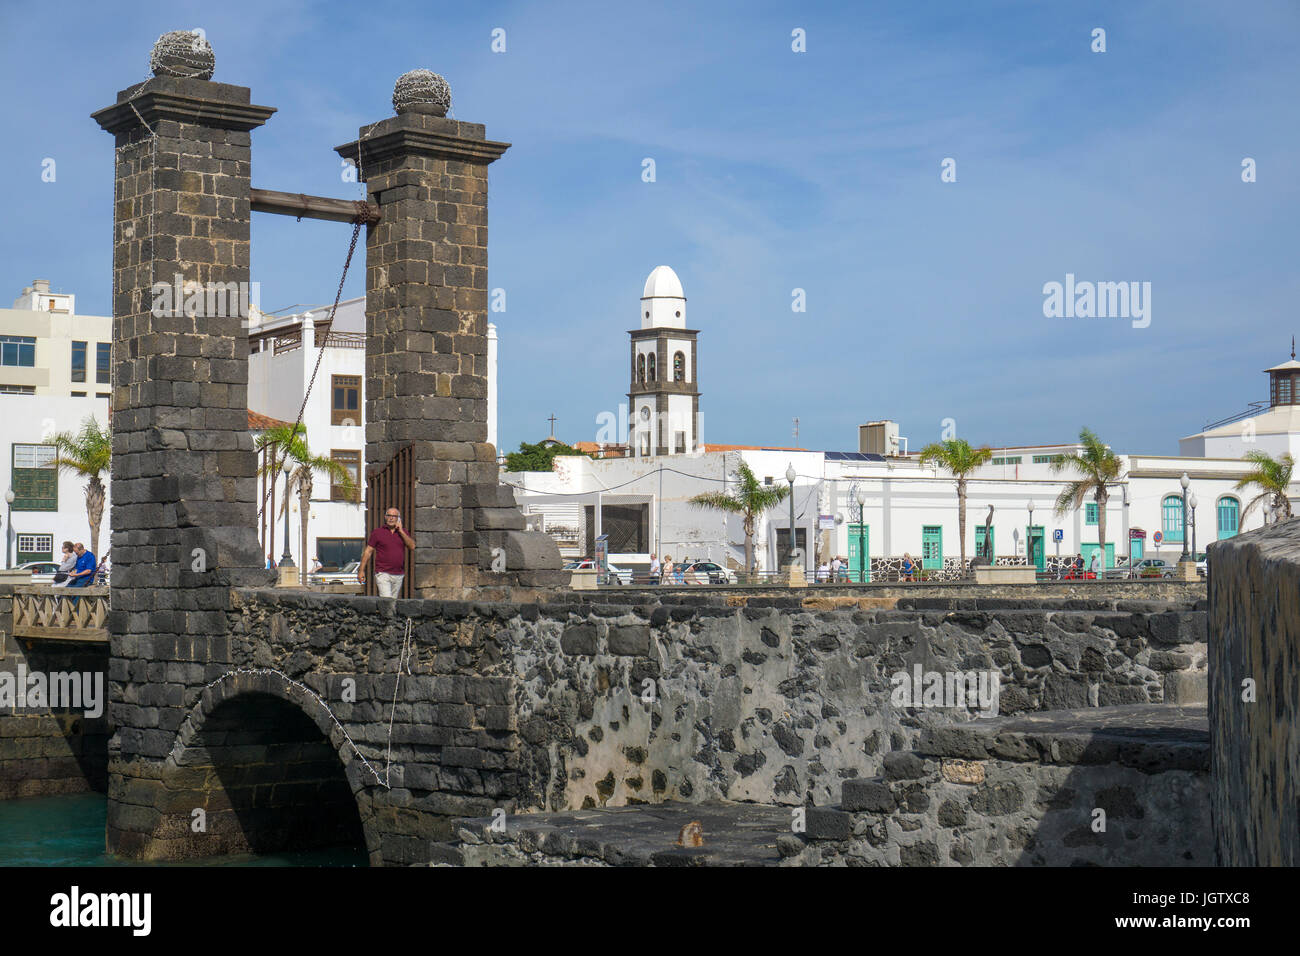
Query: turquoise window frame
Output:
(1090,512)
(1221,512)
(1171,517)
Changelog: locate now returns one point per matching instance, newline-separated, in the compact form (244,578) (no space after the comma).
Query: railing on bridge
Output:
(46,612)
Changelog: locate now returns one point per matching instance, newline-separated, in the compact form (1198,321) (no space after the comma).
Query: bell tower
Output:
(664,398)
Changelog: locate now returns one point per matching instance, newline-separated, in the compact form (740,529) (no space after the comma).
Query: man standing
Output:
(83,574)
(654,569)
(389,545)
(1094,563)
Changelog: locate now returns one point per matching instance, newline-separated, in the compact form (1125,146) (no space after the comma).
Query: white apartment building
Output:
(46,348)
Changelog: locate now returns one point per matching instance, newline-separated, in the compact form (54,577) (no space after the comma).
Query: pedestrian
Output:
(315,565)
(835,568)
(66,566)
(1078,565)
(823,571)
(1094,564)
(83,573)
(908,566)
(666,573)
(389,545)
(654,569)
(270,563)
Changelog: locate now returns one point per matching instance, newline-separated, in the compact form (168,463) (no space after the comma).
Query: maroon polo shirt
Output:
(390,551)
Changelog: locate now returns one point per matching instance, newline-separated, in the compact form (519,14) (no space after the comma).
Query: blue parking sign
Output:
(1058,535)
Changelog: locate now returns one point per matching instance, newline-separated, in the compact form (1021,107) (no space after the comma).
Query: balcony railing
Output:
(45,612)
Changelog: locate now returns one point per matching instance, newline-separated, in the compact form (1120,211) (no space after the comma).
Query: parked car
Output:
(706,572)
(1202,564)
(42,571)
(617,575)
(344,575)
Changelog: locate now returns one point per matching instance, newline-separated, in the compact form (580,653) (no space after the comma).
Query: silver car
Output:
(344,575)
(42,571)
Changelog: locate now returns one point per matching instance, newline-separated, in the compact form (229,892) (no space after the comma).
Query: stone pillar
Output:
(427,347)
(1254,696)
(184,506)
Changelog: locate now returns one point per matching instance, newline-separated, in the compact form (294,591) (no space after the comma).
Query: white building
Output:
(46,348)
(55,372)
(643,503)
(49,506)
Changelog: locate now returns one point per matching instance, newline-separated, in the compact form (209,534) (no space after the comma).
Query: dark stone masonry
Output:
(1122,786)
(1255,696)
(587,704)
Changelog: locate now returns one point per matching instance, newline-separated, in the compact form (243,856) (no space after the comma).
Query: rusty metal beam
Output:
(313,207)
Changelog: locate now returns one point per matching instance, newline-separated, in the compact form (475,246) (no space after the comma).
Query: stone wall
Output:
(584,704)
(1254,699)
(1125,787)
(44,750)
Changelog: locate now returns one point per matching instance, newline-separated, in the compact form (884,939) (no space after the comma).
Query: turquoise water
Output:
(69,831)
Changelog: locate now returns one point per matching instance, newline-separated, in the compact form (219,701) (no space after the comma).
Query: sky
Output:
(775,170)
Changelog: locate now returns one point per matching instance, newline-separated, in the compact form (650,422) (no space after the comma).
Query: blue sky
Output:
(775,170)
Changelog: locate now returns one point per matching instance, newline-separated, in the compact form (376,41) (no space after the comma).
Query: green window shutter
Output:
(1090,513)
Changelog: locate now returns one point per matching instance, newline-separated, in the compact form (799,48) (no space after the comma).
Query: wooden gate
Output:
(393,486)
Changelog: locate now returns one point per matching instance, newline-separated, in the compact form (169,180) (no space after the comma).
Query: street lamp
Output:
(1184,481)
(790,476)
(286,559)
(1029,538)
(9,530)
(1192,501)
(862,537)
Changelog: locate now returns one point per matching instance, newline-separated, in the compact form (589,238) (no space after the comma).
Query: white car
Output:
(617,575)
(706,572)
(42,571)
(344,575)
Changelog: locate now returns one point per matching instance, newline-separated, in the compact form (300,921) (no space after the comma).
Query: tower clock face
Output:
(645,413)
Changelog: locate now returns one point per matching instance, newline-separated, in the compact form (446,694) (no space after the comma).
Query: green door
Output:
(932,547)
(985,549)
(1088,549)
(856,554)
(1037,554)
(1135,550)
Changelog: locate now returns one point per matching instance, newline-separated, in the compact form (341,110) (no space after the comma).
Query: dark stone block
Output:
(903,765)
(580,640)
(629,640)
(824,823)
(872,796)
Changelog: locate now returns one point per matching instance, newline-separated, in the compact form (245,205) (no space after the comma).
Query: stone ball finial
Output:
(183,53)
(421,91)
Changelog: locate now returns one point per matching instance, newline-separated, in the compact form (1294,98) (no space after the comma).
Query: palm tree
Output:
(750,499)
(1271,476)
(958,458)
(289,442)
(88,453)
(1097,467)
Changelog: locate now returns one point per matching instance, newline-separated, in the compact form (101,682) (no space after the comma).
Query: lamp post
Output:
(1184,481)
(286,559)
(9,530)
(1029,537)
(790,476)
(862,537)
(1192,501)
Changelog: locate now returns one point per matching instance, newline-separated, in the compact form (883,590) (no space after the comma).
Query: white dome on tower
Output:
(663,304)
(663,283)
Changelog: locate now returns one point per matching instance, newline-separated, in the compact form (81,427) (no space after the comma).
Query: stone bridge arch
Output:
(271,768)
